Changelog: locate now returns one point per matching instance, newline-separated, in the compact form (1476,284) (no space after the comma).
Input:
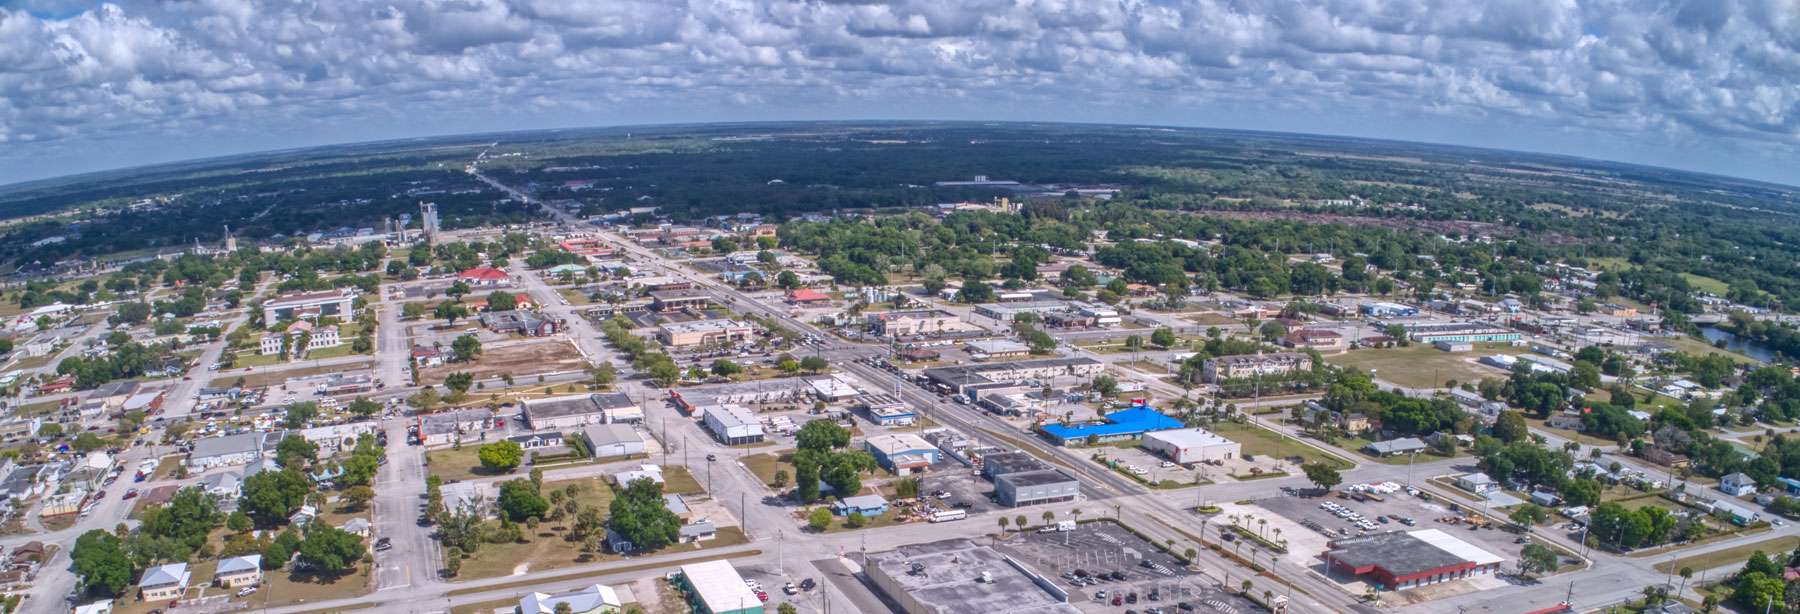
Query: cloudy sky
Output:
(1708,85)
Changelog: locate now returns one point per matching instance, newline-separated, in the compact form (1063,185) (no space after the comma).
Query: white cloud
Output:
(1648,80)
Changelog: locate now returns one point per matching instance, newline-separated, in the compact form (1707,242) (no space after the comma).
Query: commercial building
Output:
(1254,365)
(1400,560)
(732,424)
(595,599)
(528,323)
(1315,339)
(1192,445)
(445,428)
(960,378)
(1022,488)
(114,394)
(887,410)
(317,338)
(677,300)
(902,453)
(805,296)
(905,323)
(1389,310)
(309,305)
(1395,447)
(483,276)
(997,348)
(568,412)
(612,440)
(714,587)
(703,332)
(959,576)
(1007,311)
(225,451)
(1460,331)
(1119,425)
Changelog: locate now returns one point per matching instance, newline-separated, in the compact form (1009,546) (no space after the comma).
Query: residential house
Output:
(1737,484)
(164,582)
(239,571)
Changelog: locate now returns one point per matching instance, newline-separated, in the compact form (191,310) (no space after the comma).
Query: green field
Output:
(1421,365)
(1773,546)
(1263,442)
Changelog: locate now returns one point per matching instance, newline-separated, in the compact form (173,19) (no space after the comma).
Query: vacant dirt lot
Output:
(529,358)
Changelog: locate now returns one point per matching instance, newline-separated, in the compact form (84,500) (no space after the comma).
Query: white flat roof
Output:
(731,414)
(1467,551)
(719,586)
(1190,438)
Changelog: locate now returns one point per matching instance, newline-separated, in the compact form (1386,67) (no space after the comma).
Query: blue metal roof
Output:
(1124,422)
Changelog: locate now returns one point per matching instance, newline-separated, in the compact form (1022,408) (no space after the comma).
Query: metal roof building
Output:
(1408,559)
(716,588)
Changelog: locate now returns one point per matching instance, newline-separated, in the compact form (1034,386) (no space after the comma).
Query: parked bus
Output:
(948,515)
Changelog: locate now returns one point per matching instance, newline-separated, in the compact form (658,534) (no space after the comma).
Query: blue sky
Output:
(1708,85)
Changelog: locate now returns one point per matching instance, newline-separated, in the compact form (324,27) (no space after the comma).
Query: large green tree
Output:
(519,499)
(640,515)
(503,455)
(100,560)
(331,549)
(271,497)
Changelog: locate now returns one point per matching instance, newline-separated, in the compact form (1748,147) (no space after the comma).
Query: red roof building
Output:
(806,295)
(483,276)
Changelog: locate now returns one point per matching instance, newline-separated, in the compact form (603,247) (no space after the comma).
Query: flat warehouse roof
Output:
(1034,478)
(719,586)
(1190,438)
(946,578)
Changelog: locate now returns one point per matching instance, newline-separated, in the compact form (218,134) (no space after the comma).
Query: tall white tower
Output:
(230,241)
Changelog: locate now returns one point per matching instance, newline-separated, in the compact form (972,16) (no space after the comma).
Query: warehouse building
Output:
(1399,560)
(902,453)
(958,576)
(887,410)
(569,412)
(1462,332)
(960,379)
(714,587)
(732,424)
(1192,445)
(612,440)
(1024,488)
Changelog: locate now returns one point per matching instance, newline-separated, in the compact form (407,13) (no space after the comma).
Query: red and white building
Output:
(484,276)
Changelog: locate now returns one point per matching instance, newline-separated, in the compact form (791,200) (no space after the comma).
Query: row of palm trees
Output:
(1048,517)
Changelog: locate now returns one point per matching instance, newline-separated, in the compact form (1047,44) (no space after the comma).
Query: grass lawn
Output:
(1707,284)
(575,297)
(1215,319)
(764,465)
(547,549)
(34,410)
(1259,441)
(591,492)
(283,587)
(331,352)
(1697,347)
(458,464)
(679,481)
(264,377)
(1735,554)
(31,362)
(249,358)
(1416,366)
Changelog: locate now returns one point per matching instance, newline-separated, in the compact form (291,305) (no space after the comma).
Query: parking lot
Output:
(965,488)
(1100,549)
(1156,468)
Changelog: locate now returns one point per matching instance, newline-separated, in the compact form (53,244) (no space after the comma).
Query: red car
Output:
(762,595)
(130,493)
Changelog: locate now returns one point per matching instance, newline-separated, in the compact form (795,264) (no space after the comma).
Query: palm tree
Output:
(1049,516)
(1076,513)
(1262,524)
(1003,522)
(1686,572)
(1277,533)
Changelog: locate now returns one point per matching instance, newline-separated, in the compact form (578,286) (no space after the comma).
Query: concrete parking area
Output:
(966,488)
(1097,548)
(1156,468)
